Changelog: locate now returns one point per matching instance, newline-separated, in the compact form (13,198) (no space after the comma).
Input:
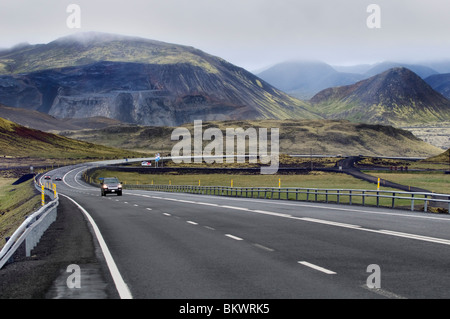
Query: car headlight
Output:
(105,186)
(120,186)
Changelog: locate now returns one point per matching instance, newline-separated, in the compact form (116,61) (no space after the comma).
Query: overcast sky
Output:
(249,33)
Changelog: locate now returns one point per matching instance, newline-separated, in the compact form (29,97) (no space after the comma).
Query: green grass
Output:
(16,202)
(434,182)
(314,179)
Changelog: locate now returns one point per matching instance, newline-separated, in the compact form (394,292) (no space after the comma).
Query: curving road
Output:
(177,246)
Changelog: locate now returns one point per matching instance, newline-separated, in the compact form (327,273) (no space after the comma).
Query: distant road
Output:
(172,245)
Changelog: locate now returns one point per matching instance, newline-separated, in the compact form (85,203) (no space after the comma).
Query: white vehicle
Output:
(146,163)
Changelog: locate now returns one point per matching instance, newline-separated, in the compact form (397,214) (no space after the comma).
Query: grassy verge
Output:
(314,179)
(16,202)
(436,182)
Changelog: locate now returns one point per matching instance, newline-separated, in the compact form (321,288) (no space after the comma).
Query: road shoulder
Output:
(68,241)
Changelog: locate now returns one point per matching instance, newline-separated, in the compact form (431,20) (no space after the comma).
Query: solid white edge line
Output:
(418,237)
(121,286)
(326,271)
(326,222)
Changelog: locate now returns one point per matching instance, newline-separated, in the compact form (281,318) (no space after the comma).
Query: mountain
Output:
(303,79)
(442,66)
(44,122)
(326,137)
(421,70)
(137,81)
(394,97)
(19,141)
(441,158)
(440,83)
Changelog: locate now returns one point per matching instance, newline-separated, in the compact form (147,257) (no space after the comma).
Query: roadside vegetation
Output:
(16,203)
(436,182)
(312,180)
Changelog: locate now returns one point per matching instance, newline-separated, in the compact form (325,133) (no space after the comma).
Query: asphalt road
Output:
(178,246)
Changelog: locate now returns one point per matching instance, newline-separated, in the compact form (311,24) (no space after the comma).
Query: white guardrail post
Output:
(31,230)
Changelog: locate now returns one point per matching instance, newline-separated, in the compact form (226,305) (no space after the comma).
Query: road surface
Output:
(177,246)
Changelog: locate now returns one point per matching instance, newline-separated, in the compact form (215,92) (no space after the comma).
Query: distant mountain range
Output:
(397,96)
(304,79)
(84,79)
(138,81)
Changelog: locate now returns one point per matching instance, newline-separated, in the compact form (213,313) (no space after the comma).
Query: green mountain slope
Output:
(441,158)
(87,48)
(397,96)
(137,80)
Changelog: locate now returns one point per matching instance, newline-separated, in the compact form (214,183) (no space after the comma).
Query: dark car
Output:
(47,177)
(58,178)
(111,185)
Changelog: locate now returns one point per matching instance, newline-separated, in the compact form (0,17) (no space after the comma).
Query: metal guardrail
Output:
(34,226)
(340,196)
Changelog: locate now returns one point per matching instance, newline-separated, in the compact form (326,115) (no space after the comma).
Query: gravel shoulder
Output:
(68,241)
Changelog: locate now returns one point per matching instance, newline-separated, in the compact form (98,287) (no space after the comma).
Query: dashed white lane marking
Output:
(166,214)
(314,220)
(233,237)
(263,247)
(149,209)
(191,222)
(321,269)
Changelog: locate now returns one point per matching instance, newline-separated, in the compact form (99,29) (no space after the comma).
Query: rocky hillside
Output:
(137,81)
(397,96)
